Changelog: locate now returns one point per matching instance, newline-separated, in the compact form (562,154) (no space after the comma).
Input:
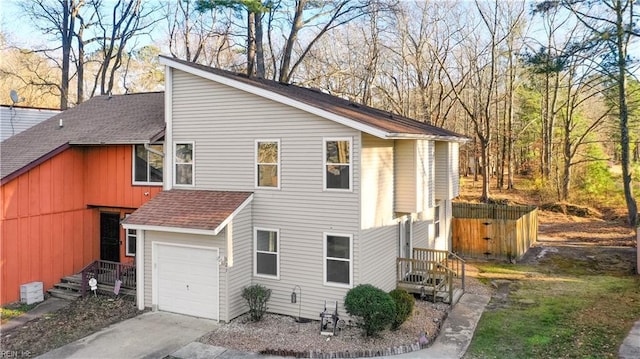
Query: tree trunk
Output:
(260,71)
(251,43)
(67,32)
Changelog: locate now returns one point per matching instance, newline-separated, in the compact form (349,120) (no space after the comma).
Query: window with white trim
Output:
(267,253)
(337,259)
(183,160)
(147,165)
(337,163)
(268,163)
(132,236)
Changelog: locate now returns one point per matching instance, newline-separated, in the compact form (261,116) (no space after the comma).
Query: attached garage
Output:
(187,279)
(194,254)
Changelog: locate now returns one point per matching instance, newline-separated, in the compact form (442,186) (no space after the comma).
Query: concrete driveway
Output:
(150,335)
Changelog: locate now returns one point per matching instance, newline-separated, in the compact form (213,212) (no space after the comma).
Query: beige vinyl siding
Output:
(377,182)
(446,170)
(239,271)
(224,123)
(379,249)
(218,241)
(379,236)
(422,238)
(405,176)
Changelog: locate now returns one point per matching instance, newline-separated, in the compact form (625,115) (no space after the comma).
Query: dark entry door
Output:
(110,237)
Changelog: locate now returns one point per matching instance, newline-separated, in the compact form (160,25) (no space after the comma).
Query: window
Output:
(337,164)
(147,165)
(267,257)
(436,221)
(132,236)
(268,163)
(183,164)
(337,260)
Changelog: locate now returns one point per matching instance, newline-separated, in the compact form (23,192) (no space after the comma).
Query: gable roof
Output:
(189,211)
(102,120)
(375,122)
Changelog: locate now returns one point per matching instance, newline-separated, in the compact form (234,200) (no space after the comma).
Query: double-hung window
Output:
(131,237)
(338,260)
(267,253)
(268,163)
(337,163)
(147,165)
(183,171)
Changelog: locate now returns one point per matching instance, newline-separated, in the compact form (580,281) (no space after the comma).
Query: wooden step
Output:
(64,294)
(76,278)
(68,286)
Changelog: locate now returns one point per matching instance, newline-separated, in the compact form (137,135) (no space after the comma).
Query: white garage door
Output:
(187,280)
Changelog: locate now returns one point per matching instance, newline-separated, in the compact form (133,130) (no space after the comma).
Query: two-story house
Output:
(284,186)
(67,182)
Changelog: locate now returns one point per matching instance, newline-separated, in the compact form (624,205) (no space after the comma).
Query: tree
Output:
(614,24)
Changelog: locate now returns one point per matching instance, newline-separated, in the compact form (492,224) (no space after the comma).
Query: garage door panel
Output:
(187,280)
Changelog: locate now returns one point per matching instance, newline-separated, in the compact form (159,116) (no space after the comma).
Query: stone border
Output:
(317,354)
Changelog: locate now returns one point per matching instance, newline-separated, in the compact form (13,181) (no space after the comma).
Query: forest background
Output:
(548,90)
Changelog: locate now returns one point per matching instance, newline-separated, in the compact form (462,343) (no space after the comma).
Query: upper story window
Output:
(268,163)
(184,154)
(147,165)
(267,253)
(337,163)
(337,260)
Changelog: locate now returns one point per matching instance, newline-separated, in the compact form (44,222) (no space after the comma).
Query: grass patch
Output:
(565,316)
(15,310)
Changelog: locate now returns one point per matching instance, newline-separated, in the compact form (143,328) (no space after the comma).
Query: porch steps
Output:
(70,288)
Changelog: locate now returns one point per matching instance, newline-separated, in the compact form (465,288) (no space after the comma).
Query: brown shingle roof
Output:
(392,124)
(189,209)
(119,119)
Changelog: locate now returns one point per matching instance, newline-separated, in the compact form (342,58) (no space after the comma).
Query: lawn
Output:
(548,312)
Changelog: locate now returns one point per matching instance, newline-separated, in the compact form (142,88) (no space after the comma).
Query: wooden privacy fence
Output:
(493,231)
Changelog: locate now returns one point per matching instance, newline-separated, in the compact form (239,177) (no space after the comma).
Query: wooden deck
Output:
(433,274)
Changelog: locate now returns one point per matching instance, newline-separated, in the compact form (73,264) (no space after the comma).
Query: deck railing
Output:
(432,271)
(107,272)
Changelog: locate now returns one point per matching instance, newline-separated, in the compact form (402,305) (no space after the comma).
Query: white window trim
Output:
(324,163)
(255,253)
(133,170)
(126,242)
(193,163)
(255,162)
(324,260)
(436,222)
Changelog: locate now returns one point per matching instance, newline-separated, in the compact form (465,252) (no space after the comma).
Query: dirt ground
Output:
(81,318)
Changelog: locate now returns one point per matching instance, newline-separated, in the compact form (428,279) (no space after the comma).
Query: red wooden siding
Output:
(50,214)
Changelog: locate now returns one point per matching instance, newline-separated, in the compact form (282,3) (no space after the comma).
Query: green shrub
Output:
(404,306)
(373,308)
(256,296)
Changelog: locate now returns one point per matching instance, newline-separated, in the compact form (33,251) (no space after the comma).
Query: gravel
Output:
(282,335)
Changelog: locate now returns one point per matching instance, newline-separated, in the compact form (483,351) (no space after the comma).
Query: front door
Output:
(110,237)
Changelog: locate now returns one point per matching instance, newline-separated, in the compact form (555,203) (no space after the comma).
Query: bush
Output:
(404,306)
(373,308)
(256,296)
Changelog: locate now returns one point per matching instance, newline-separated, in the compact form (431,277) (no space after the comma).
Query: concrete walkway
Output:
(630,348)
(48,306)
(149,335)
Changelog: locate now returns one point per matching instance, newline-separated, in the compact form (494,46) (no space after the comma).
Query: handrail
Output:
(429,264)
(108,272)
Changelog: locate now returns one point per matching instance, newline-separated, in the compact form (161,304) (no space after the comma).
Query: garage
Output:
(187,279)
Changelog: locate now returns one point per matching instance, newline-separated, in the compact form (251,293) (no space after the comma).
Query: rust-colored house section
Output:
(62,206)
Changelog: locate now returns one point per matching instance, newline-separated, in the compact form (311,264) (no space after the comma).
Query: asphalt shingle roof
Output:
(382,120)
(190,209)
(118,119)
